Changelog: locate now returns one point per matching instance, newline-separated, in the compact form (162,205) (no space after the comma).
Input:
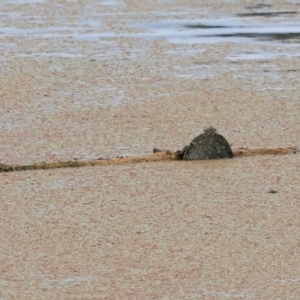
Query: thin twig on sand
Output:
(159,155)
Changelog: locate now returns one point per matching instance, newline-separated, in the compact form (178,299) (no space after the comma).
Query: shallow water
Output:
(260,23)
(224,29)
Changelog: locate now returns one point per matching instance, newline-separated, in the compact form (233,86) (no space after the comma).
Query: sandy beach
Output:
(86,79)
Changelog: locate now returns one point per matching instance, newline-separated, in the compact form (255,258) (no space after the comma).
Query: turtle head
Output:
(210,129)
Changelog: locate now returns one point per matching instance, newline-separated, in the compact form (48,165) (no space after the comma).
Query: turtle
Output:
(208,145)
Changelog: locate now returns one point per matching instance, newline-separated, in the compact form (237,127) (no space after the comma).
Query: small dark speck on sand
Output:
(155,150)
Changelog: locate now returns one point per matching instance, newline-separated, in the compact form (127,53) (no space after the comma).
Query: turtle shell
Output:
(208,145)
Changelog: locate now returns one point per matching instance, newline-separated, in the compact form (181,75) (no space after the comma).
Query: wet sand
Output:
(161,230)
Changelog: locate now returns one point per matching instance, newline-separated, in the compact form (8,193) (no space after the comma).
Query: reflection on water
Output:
(230,29)
(261,55)
(258,6)
(267,14)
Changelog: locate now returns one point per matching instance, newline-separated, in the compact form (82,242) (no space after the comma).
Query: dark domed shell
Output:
(208,145)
